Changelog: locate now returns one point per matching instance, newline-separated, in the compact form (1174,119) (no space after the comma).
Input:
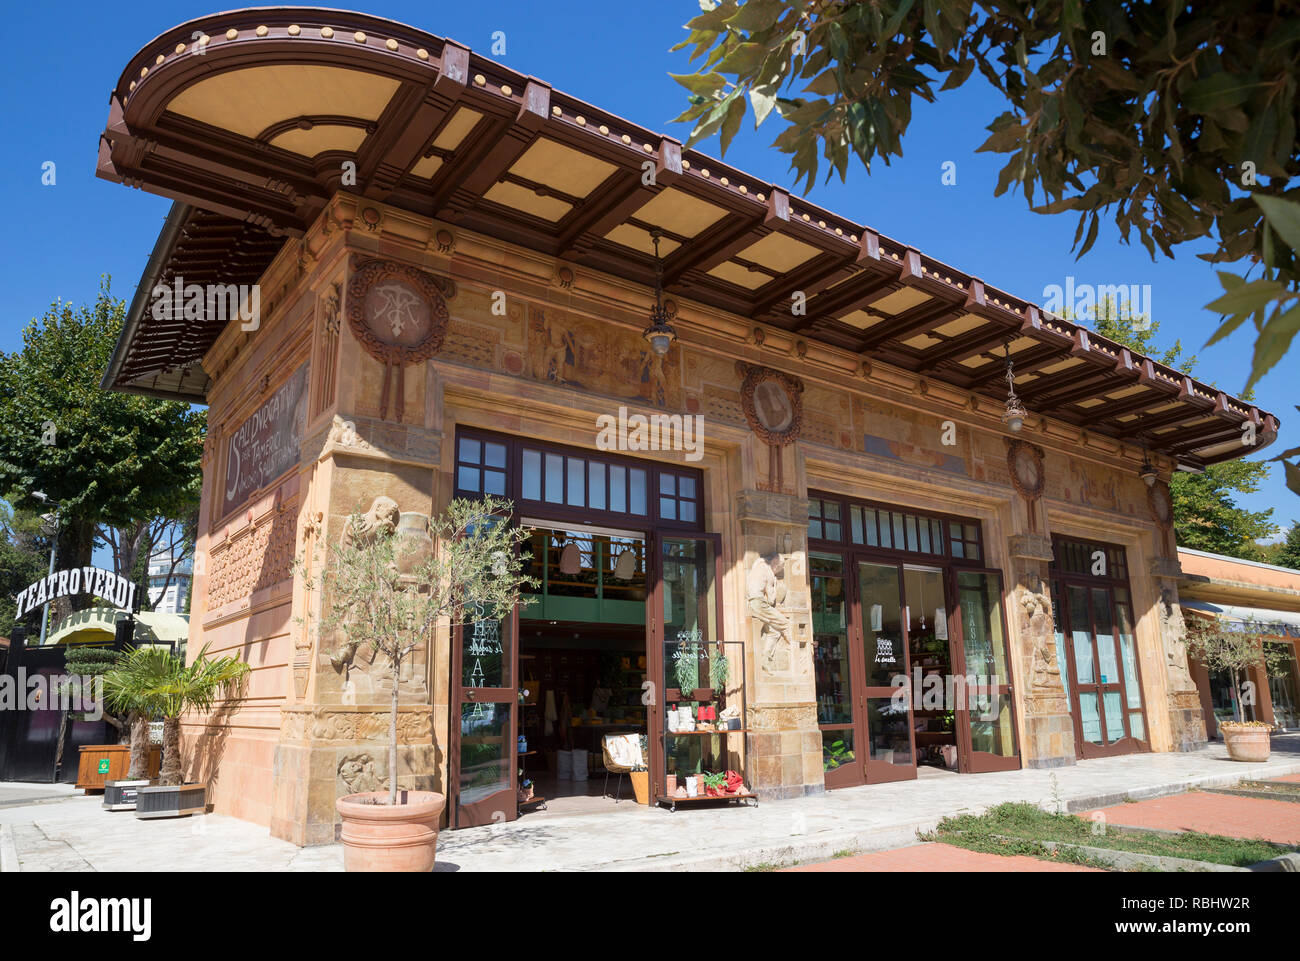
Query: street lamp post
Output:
(54,550)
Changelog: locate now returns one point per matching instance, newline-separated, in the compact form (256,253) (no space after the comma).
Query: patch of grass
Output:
(843,854)
(762,867)
(1025,826)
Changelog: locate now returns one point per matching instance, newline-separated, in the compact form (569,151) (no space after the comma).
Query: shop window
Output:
(576,481)
(480,467)
(907,532)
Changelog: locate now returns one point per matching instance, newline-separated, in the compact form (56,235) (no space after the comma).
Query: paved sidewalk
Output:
(940,857)
(78,835)
(1234,817)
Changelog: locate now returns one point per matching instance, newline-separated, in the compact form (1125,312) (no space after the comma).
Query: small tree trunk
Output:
(171,759)
(63,737)
(139,747)
(392,736)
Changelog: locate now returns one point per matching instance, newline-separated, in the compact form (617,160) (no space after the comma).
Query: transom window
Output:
(564,482)
(887,529)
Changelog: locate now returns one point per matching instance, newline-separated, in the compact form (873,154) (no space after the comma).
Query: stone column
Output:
(1049,729)
(1186,722)
(334,734)
(784,743)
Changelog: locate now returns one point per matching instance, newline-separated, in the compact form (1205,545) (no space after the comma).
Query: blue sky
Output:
(615,55)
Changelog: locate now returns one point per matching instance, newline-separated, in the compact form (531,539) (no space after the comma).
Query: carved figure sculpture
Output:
(1174,631)
(382,516)
(1046,670)
(357,771)
(766,590)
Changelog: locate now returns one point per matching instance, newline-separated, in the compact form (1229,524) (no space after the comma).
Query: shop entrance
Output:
(1095,643)
(911,658)
(548,701)
(583,729)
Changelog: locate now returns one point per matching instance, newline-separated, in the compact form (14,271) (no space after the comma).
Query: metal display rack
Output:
(715,744)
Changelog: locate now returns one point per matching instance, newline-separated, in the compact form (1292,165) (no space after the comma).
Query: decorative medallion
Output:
(773,405)
(1162,506)
(1025,462)
(400,317)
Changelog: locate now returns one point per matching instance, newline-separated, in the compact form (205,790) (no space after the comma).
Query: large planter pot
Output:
(122,795)
(640,785)
(1246,743)
(390,837)
(171,801)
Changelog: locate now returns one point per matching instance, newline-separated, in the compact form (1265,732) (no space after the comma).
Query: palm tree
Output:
(160,684)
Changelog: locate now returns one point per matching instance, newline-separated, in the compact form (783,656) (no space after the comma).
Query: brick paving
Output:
(1289,778)
(938,857)
(1238,817)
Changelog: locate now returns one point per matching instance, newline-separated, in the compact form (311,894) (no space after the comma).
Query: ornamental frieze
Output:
(258,557)
(414,725)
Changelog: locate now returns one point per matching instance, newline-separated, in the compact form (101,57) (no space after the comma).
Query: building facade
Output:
(817,479)
(1262,599)
(169,583)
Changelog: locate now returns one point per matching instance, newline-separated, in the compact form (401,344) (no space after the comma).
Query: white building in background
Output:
(173,598)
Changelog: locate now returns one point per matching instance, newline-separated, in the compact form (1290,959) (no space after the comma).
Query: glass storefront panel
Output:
(1282,689)
(1128,651)
(486,750)
(882,629)
(837,749)
(831,662)
(981,613)
(1090,717)
(887,722)
(992,726)
(1136,725)
(1080,635)
(1114,716)
(1107,664)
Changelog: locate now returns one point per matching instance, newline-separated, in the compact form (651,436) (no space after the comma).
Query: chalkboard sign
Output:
(267,444)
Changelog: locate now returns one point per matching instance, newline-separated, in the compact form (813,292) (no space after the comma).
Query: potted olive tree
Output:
(156,683)
(1233,651)
(388,592)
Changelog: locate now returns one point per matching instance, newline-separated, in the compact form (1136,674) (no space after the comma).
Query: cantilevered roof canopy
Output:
(246,118)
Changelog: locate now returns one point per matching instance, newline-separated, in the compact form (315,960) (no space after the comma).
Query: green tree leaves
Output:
(107,458)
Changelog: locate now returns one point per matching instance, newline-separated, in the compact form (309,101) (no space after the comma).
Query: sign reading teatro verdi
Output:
(118,591)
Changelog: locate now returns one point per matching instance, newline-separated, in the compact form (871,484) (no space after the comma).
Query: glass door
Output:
(683,626)
(485,694)
(986,726)
(1107,693)
(835,670)
(885,710)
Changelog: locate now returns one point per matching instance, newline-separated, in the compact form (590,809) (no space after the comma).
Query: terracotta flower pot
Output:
(1246,743)
(384,837)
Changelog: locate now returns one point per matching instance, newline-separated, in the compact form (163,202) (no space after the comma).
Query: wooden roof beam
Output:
(475,170)
(733,235)
(402,135)
(616,200)
(822,273)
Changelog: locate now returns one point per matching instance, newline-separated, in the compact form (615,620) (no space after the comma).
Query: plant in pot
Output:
(88,667)
(1233,651)
(158,683)
(715,784)
(640,773)
(686,667)
(388,590)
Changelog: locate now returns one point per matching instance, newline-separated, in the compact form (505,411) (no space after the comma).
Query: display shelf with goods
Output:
(703,733)
(935,730)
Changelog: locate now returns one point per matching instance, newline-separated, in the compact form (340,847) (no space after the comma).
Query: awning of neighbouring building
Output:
(97,625)
(1258,619)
